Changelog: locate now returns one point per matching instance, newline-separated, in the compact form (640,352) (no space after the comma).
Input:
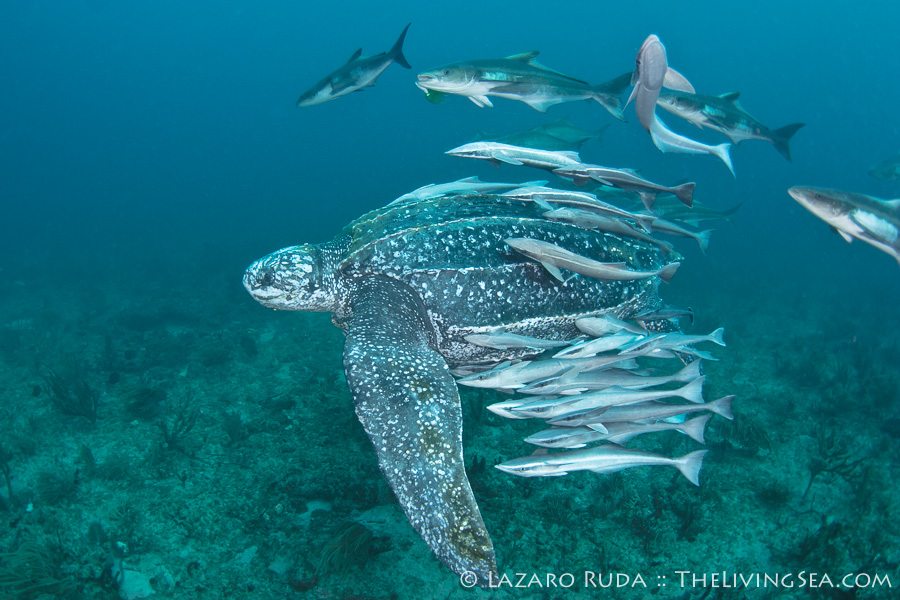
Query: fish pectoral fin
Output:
(408,403)
(554,270)
(678,82)
(481,101)
(634,91)
(499,156)
(541,105)
(847,237)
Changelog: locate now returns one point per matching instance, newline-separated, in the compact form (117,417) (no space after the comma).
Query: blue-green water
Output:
(151,152)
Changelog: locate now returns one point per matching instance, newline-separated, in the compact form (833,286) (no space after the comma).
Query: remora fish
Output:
(502,341)
(628,180)
(553,258)
(461,186)
(357,73)
(518,77)
(567,131)
(615,396)
(592,220)
(558,135)
(616,433)
(607,324)
(497,153)
(511,377)
(872,220)
(887,169)
(725,114)
(601,459)
(645,411)
(651,74)
(596,346)
(582,200)
(596,380)
(673,210)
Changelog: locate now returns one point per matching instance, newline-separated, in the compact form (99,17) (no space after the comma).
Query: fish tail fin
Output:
(722,152)
(609,94)
(703,240)
(685,193)
(668,271)
(694,428)
(611,103)
(396,52)
(693,391)
(690,465)
(688,373)
(718,336)
(781,139)
(648,198)
(722,407)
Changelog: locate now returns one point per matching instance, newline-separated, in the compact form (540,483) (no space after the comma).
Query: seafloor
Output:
(225,459)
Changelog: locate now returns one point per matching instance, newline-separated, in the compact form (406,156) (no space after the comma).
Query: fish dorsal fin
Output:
(730,97)
(540,452)
(569,154)
(529,59)
(356,55)
(678,82)
(526,57)
(894,204)
(472,179)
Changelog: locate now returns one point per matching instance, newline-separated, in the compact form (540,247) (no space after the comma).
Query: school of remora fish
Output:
(598,391)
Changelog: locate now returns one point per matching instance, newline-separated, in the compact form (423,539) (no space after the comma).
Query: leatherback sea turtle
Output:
(407,283)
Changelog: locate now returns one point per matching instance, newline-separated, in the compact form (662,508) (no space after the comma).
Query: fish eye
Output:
(446,71)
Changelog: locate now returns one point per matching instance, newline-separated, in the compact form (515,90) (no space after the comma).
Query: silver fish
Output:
(512,377)
(651,74)
(591,220)
(357,73)
(503,341)
(553,258)
(461,186)
(607,324)
(614,396)
(596,380)
(518,77)
(672,341)
(601,344)
(616,433)
(497,153)
(581,200)
(628,180)
(725,114)
(872,220)
(645,411)
(608,458)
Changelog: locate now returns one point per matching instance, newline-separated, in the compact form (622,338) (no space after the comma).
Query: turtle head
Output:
(294,278)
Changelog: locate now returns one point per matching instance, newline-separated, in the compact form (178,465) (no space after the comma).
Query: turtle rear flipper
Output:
(409,405)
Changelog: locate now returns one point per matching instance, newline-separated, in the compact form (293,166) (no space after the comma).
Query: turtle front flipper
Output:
(409,405)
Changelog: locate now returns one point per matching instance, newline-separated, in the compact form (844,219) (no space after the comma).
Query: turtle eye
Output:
(266,279)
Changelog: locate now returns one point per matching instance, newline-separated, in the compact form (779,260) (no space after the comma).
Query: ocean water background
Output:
(149,152)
